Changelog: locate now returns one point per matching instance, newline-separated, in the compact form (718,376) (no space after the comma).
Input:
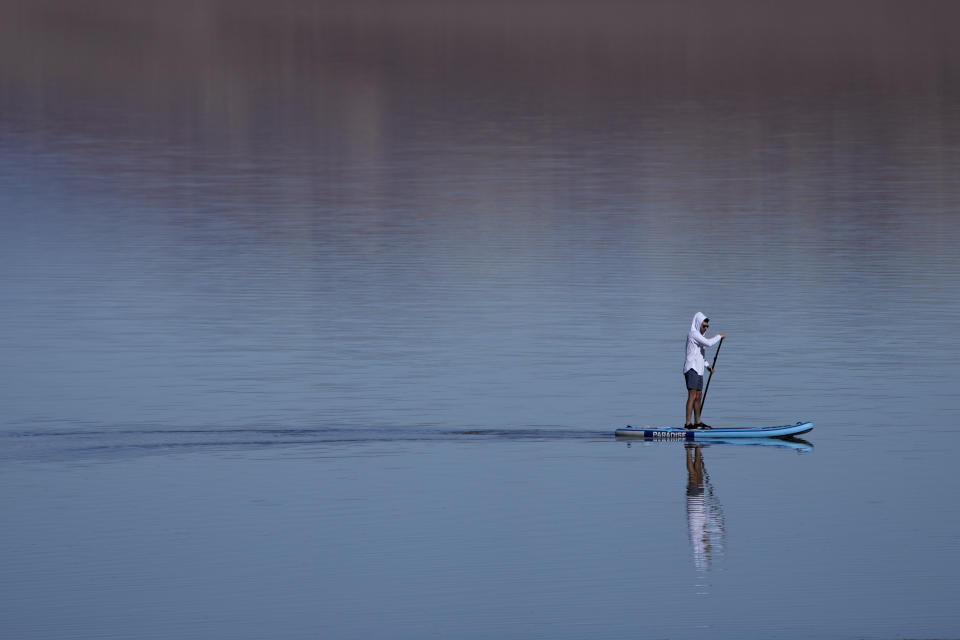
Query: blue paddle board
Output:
(716,433)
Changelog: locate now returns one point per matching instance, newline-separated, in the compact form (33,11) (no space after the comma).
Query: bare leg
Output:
(697,401)
(692,403)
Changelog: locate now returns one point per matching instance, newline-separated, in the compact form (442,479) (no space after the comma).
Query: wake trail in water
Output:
(112,442)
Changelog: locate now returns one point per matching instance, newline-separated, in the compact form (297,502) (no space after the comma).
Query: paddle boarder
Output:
(693,367)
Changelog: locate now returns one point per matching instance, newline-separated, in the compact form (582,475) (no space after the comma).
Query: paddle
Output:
(710,377)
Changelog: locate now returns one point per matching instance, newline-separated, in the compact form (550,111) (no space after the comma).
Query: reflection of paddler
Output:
(705,521)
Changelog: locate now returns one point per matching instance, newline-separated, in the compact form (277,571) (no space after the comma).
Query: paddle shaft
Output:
(709,378)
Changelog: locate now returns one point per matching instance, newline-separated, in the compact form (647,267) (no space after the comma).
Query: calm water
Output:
(318,318)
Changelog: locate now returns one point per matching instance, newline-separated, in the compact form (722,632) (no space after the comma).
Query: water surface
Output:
(318,318)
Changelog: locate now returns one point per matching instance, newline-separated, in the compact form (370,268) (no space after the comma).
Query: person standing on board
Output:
(693,367)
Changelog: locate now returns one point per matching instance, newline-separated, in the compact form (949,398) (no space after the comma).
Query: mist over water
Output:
(353,295)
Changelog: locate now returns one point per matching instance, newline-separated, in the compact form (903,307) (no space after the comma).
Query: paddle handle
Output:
(709,378)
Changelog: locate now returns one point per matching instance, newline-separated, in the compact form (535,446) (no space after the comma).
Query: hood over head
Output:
(698,319)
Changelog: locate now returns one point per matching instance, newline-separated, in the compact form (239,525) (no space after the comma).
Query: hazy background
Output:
(318,317)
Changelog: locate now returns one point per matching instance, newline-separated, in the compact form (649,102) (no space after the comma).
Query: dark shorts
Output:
(694,380)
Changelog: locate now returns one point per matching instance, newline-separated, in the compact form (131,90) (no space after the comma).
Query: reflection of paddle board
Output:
(716,433)
(795,444)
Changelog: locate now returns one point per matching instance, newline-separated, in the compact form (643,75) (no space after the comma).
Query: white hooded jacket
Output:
(697,344)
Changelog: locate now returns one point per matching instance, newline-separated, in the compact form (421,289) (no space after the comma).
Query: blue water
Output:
(318,320)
